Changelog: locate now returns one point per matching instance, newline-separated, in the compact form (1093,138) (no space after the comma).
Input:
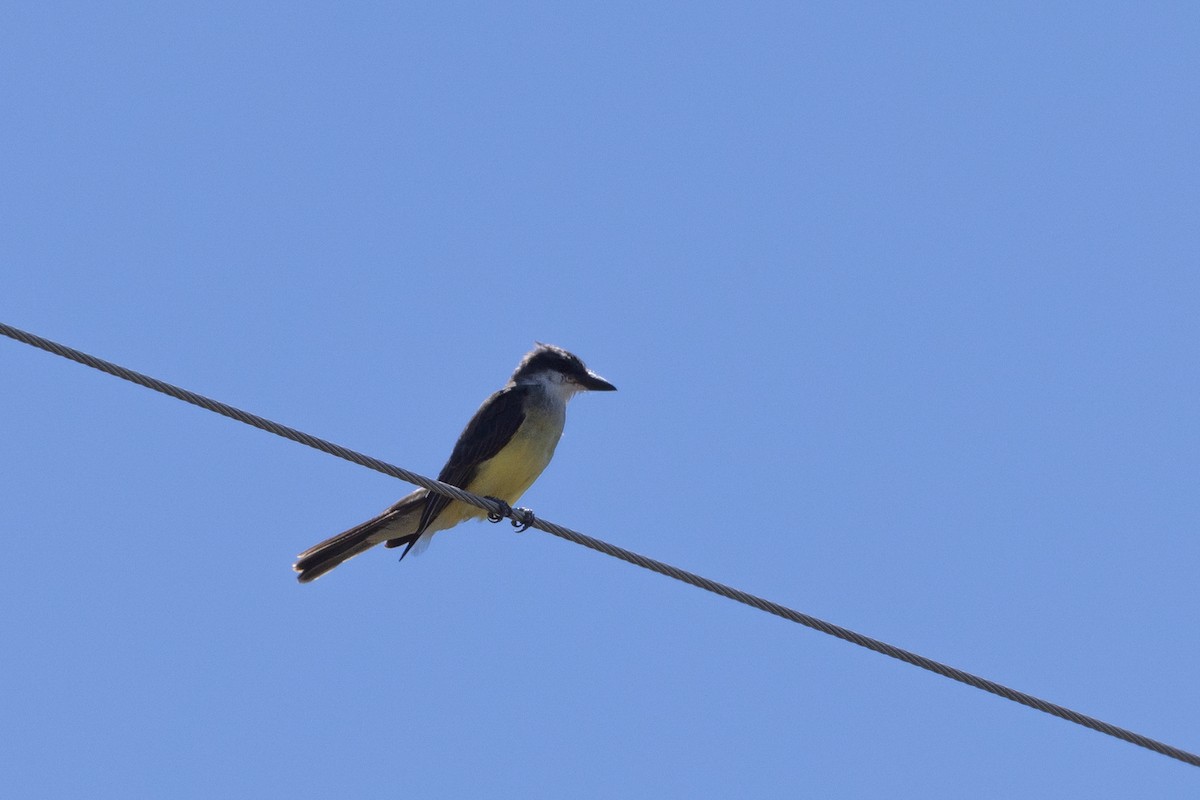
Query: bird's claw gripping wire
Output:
(505,509)
(521,518)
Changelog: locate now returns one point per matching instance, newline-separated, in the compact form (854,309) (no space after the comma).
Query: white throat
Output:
(554,384)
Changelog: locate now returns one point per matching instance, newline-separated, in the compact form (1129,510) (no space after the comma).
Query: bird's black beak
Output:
(594,383)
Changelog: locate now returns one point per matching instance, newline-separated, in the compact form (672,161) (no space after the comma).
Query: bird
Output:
(500,453)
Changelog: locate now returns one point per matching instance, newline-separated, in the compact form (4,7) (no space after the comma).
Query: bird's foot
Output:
(505,509)
(521,518)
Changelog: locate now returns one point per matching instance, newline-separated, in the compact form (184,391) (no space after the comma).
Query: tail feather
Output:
(409,542)
(399,519)
(314,563)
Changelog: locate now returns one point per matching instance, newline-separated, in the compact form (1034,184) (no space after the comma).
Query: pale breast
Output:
(513,470)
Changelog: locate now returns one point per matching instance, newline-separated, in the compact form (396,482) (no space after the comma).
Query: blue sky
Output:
(901,301)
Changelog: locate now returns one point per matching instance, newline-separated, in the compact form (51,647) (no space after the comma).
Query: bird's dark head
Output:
(552,365)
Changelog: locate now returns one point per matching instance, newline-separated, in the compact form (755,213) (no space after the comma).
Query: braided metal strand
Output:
(608,549)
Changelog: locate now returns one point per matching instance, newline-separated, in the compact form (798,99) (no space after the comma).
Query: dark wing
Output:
(485,435)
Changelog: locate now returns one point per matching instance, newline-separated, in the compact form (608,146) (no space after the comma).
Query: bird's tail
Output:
(397,523)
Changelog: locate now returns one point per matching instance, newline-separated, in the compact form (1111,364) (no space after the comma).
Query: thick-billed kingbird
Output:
(503,449)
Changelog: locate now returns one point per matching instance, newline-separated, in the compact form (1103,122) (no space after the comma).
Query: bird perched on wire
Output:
(499,455)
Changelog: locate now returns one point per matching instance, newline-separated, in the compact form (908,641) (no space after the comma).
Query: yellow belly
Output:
(509,473)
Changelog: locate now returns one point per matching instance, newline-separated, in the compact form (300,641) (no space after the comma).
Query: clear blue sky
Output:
(901,300)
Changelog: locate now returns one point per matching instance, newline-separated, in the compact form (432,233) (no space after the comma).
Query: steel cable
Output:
(606,548)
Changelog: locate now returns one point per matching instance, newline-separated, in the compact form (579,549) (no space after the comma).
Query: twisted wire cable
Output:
(598,545)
